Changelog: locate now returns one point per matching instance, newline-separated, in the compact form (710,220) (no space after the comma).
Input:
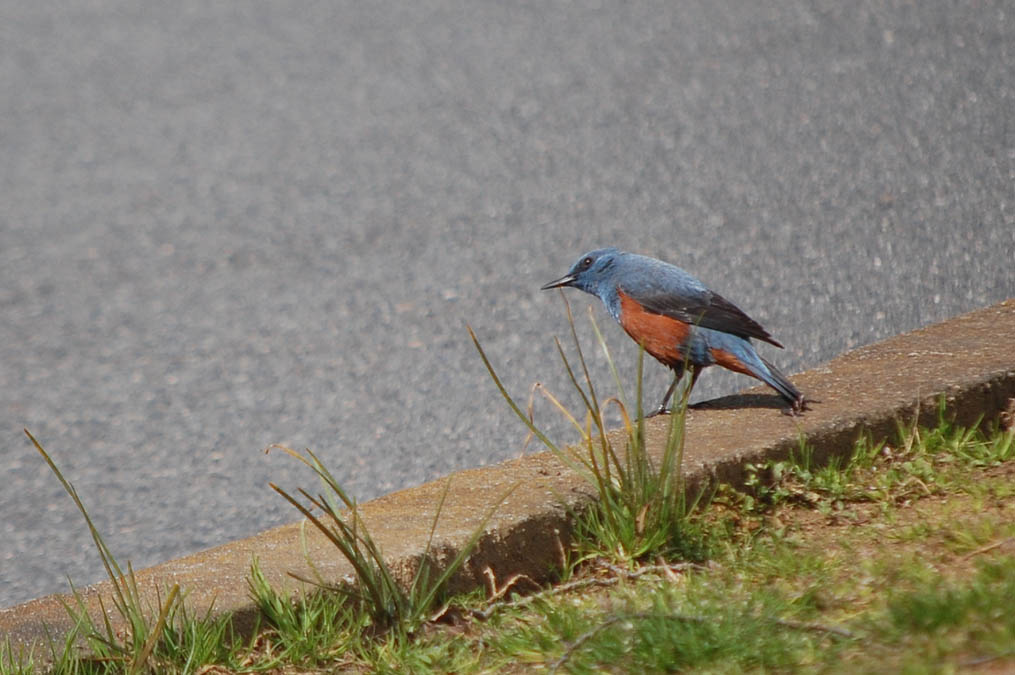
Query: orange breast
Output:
(661,336)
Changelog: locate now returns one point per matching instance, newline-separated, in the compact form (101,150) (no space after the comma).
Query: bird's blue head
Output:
(593,273)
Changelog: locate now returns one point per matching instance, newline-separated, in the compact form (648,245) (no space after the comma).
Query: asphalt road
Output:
(224,225)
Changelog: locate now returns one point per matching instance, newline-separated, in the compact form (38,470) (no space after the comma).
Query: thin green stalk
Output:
(113,570)
(511,402)
(609,358)
(142,656)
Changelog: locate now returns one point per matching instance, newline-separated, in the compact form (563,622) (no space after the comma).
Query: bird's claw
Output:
(798,407)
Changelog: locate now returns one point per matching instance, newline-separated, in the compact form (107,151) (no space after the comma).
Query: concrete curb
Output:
(969,359)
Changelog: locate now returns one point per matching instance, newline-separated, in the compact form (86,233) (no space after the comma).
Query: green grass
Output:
(303,629)
(973,616)
(657,625)
(922,462)
(732,620)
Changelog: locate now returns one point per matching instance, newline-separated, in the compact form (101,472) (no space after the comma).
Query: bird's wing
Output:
(705,309)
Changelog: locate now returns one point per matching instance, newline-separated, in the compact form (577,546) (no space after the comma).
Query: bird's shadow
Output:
(739,401)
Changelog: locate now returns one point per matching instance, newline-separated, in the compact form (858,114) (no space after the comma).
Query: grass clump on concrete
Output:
(390,605)
(641,510)
(920,462)
(373,619)
(302,629)
(154,637)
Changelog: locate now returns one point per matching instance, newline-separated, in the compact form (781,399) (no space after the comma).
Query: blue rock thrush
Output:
(676,318)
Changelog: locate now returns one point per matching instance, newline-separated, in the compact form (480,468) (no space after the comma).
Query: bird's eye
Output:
(587,262)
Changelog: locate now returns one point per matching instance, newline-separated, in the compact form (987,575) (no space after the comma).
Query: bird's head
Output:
(590,272)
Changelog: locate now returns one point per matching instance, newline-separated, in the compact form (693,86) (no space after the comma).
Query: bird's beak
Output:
(565,280)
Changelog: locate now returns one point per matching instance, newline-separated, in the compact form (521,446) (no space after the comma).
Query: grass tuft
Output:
(305,629)
(918,462)
(390,606)
(642,510)
(156,638)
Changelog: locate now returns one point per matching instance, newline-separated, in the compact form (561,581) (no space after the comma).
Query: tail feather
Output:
(780,383)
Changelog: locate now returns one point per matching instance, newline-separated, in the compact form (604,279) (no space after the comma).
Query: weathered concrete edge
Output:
(969,359)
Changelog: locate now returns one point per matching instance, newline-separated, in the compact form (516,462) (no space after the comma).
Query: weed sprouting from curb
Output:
(909,465)
(392,607)
(153,637)
(310,628)
(642,508)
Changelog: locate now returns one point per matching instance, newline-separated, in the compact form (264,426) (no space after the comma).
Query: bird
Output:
(677,319)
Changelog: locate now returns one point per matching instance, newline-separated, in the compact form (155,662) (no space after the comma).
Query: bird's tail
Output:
(780,383)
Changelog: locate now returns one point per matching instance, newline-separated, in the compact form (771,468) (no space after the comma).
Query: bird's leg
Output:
(695,372)
(666,397)
(678,373)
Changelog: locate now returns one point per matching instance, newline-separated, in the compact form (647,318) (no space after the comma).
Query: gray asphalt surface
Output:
(230,224)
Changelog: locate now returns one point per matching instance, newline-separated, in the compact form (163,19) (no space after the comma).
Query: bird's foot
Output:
(798,407)
(661,410)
